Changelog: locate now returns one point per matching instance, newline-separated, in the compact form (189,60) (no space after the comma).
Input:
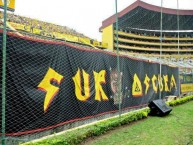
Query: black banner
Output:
(49,84)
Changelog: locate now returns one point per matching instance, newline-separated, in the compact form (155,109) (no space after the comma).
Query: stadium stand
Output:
(40,29)
(139,33)
(41,66)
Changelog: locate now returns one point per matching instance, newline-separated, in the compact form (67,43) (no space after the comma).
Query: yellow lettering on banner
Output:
(137,87)
(146,82)
(160,80)
(154,82)
(50,89)
(78,87)
(172,83)
(166,83)
(100,79)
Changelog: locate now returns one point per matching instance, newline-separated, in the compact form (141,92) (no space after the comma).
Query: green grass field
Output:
(173,129)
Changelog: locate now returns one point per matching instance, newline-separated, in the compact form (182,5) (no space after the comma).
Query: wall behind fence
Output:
(50,84)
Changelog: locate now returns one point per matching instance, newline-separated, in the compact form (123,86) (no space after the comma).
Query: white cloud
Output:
(85,16)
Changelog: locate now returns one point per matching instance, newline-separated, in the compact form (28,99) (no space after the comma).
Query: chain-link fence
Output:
(52,83)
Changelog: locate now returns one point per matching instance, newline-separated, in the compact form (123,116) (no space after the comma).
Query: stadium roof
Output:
(141,15)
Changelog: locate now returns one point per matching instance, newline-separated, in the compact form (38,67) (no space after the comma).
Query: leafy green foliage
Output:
(77,136)
(180,101)
(173,129)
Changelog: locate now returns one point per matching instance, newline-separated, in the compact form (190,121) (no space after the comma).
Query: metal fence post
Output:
(4,73)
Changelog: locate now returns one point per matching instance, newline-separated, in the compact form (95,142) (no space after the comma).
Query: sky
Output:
(84,16)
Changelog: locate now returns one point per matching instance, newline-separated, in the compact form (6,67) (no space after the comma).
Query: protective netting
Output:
(51,83)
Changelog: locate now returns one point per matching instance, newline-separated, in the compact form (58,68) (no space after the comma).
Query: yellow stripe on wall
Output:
(186,88)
